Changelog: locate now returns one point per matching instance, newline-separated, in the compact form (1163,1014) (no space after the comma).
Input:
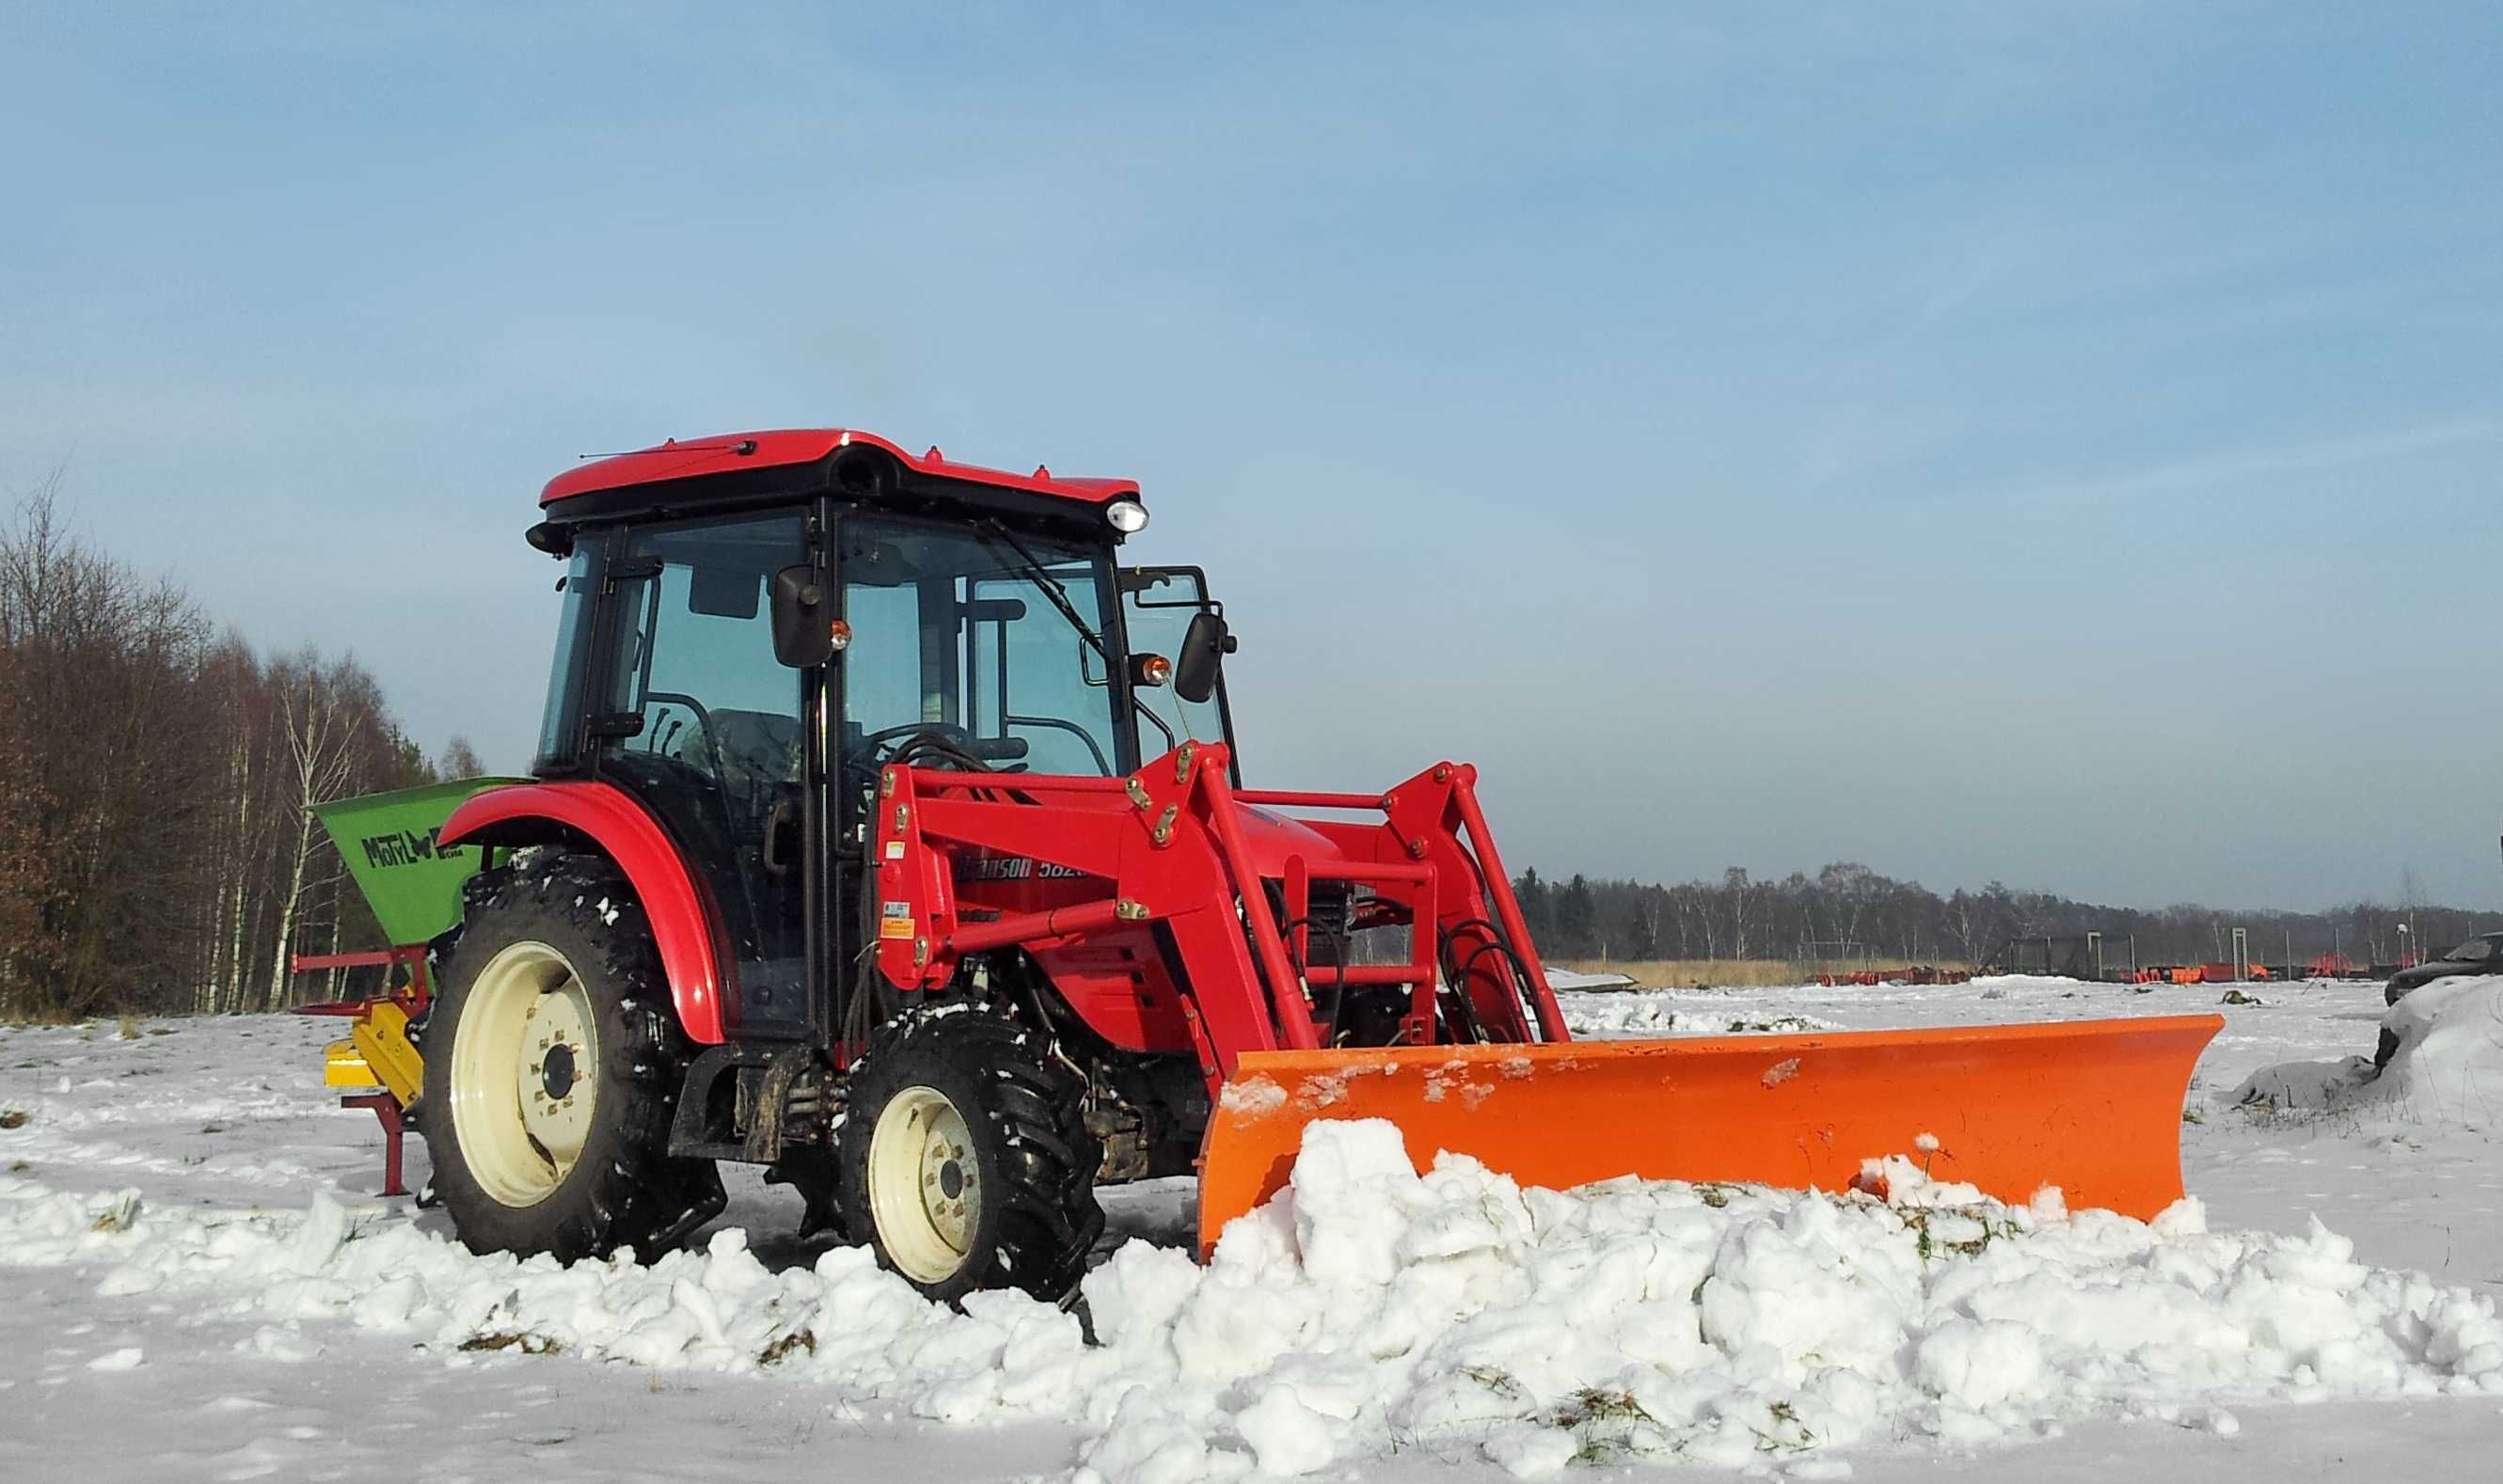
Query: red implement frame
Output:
(386,1108)
(410,956)
(413,996)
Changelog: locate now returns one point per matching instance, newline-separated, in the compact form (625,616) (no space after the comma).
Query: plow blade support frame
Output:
(2093,1107)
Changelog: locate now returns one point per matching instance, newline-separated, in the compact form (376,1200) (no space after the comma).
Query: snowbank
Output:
(1368,1310)
(2445,1065)
(2004,982)
(1604,1016)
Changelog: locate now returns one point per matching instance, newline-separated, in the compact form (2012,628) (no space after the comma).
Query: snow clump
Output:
(2446,1064)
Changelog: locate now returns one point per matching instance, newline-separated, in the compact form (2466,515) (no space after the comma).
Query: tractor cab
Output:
(744,648)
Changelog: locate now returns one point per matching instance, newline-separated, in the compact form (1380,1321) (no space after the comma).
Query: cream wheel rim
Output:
(925,1186)
(525,1074)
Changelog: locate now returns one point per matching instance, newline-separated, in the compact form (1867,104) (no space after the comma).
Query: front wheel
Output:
(966,1160)
(552,1068)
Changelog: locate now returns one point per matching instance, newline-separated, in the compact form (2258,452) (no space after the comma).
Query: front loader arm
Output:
(1434,819)
(1170,843)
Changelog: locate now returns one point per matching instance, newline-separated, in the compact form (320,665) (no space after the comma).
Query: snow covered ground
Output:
(197,1283)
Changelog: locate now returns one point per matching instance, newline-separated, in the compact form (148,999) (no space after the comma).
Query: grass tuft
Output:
(509,1339)
(1958,1222)
(1611,1424)
(788,1345)
(14,1117)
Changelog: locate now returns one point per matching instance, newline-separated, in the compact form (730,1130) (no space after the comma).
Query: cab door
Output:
(694,715)
(1157,605)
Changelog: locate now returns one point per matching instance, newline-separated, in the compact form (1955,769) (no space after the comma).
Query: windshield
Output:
(989,641)
(2474,950)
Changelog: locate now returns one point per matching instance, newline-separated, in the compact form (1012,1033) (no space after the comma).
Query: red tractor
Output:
(887,831)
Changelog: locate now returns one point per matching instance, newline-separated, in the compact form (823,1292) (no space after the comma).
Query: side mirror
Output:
(804,617)
(1204,648)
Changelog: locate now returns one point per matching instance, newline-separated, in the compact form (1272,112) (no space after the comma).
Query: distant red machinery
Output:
(1919,973)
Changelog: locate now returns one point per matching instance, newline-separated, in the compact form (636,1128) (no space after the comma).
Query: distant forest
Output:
(1847,911)
(156,850)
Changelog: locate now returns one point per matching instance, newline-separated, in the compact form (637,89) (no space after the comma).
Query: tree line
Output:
(1847,912)
(157,853)
(156,850)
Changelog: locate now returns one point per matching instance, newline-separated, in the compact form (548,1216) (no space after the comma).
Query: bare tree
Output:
(326,713)
(460,761)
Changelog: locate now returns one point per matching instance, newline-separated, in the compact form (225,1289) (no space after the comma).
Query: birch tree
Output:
(324,713)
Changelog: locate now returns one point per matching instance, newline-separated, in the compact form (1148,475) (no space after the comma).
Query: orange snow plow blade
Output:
(2093,1107)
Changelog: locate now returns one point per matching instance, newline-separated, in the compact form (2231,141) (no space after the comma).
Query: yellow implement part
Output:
(381,1035)
(2093,1107)
(343,1065)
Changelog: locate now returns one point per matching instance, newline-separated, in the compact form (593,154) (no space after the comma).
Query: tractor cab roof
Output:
(696,467)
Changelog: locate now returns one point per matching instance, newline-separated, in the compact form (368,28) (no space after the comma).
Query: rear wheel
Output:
(552,1069)
(966,1160)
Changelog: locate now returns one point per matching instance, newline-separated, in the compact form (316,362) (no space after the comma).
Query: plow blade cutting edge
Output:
(2093,1107)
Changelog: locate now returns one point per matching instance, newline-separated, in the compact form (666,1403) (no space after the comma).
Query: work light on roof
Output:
(1128,516)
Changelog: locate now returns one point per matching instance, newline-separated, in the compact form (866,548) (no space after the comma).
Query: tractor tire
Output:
(553,1060)
(965,1157)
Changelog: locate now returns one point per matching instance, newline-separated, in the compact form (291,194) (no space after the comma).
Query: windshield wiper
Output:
(1030,567)
(1034,571)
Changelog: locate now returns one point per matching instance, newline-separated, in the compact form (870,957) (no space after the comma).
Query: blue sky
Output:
(2054,443)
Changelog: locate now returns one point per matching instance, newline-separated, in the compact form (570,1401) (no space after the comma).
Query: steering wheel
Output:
(873,743)
(870,753)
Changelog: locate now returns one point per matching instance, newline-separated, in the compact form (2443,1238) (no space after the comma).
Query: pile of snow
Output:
(1368,1310)
(1603,1017)
(2004,982)
(2445,1065)
(1609,1017)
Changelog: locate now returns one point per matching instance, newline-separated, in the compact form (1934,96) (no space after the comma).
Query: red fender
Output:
(682,927)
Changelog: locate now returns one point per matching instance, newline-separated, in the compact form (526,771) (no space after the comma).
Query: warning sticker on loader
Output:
(898,919)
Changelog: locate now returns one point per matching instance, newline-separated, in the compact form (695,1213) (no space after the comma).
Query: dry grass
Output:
(1732,973)
(43,1020)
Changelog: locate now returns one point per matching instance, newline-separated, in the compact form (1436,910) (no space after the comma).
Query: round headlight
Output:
(1128,516)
